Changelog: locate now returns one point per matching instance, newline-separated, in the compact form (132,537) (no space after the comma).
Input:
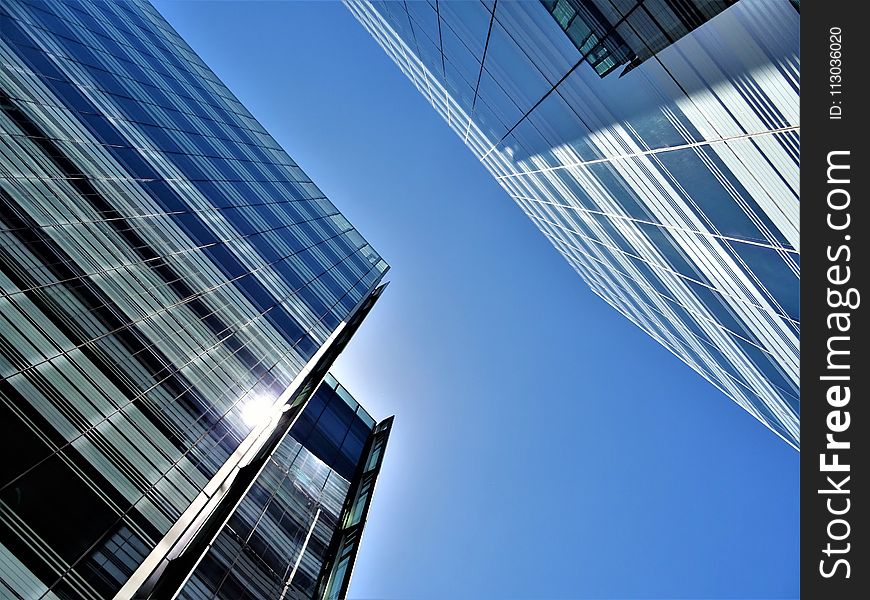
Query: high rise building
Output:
(609,34)
(655,143)
(173,290)
(295,533)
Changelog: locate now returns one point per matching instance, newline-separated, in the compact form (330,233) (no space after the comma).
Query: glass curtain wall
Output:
(670,184)
(165,269)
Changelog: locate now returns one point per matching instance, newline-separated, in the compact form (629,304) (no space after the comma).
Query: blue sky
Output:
(544,447)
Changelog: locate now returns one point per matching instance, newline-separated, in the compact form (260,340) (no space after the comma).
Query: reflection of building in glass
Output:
(173,289)
(609,34)
(672,190)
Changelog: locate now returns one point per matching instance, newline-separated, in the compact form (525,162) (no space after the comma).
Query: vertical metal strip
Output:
(169,565)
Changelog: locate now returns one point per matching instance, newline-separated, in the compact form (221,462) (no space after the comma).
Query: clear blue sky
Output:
(544,447)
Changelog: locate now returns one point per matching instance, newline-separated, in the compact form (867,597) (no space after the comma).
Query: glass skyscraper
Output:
(655,143)
(173,290)
(609,35)
(287,537)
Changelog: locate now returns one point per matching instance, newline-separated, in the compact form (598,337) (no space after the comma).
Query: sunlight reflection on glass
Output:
(256,411)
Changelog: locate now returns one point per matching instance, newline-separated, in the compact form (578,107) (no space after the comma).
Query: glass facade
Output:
(670,184)
(336,570)
(169,277)
(275,544)
(609,34)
